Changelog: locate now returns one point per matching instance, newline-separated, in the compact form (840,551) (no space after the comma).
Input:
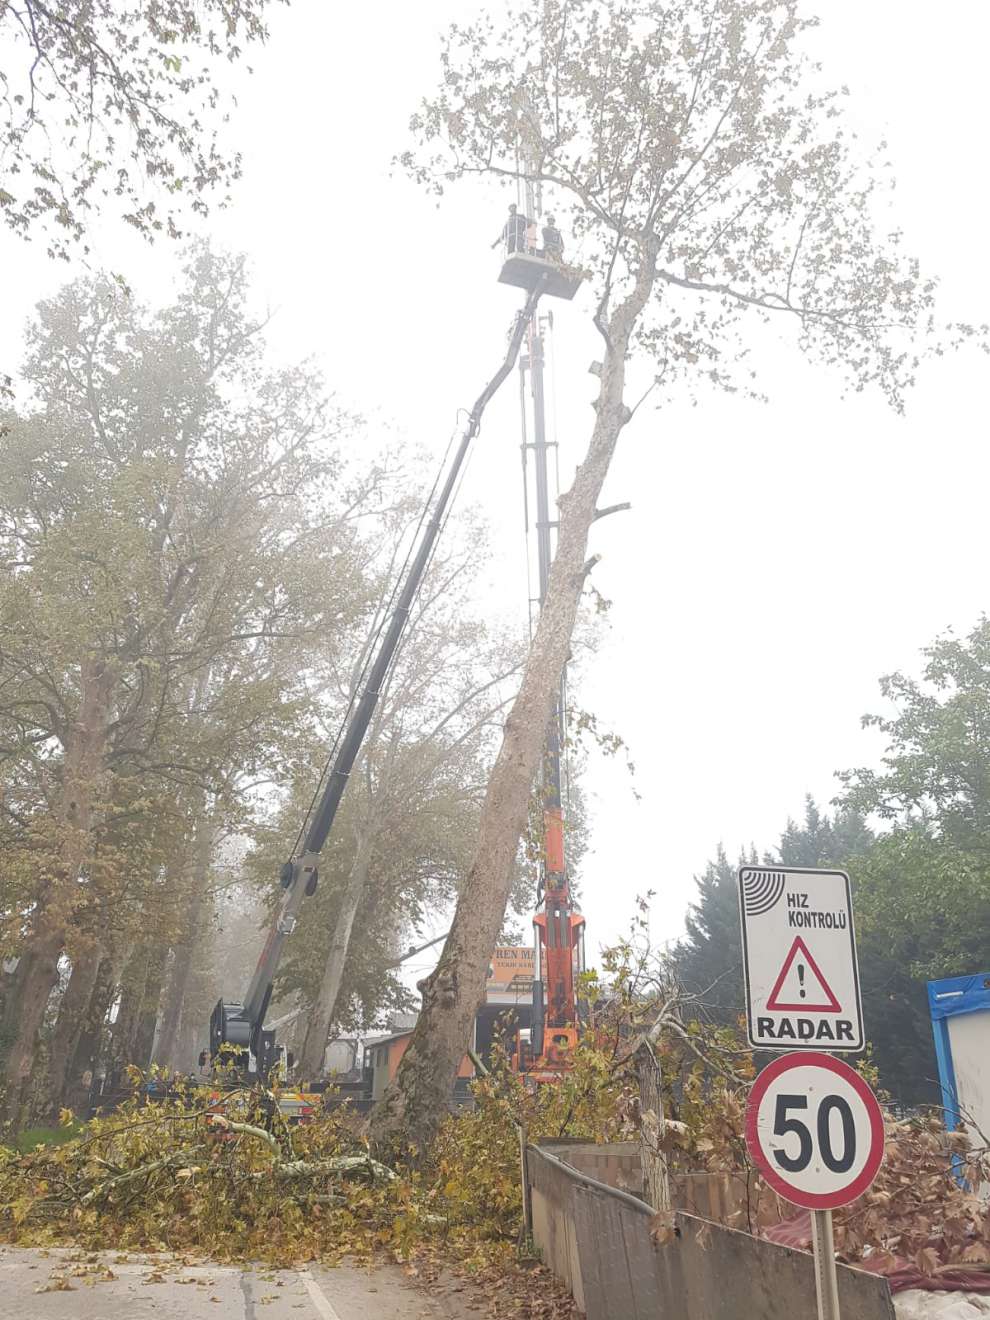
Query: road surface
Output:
(75,1285)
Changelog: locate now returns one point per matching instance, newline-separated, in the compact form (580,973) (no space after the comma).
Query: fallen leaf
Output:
(663,1228)
(56,1284)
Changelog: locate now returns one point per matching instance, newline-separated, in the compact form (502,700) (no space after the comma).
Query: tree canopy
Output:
(697,156)
(99,100)
(921,881)
(196,548)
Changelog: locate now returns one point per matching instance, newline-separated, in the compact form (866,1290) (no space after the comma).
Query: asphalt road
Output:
(67,1285)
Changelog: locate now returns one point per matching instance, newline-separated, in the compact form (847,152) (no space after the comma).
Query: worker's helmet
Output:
(512,208)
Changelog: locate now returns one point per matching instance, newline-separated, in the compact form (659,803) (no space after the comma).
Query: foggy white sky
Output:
(778,559)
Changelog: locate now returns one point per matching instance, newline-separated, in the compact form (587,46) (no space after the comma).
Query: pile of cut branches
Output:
(221,1176)
(200,1170)
(220,1173)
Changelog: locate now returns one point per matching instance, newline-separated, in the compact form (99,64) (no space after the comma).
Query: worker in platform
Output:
(513,233)
(553,241)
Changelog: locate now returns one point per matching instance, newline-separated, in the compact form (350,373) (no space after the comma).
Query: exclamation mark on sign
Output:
(801,978)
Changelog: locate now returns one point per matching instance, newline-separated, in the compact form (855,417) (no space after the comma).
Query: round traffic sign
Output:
(815,1130)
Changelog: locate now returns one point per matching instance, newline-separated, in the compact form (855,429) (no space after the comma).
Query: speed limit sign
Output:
(815,1130)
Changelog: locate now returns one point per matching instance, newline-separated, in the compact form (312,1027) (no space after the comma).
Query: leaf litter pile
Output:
(916,1211)
(918,1214)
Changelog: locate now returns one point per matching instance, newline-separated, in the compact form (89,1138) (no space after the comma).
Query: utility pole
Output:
(559,929)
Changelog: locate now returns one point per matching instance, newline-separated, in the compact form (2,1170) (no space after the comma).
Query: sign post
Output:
(813,1126)
(815,1131)
(826,1278)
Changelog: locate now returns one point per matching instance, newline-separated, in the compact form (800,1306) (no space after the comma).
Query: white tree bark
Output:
(321,1015)
(656,1176)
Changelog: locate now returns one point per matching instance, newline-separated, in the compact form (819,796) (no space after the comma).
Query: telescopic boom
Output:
(241,1024)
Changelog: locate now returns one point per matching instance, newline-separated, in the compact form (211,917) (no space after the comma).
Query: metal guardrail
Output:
(585,1180)
(597,1240)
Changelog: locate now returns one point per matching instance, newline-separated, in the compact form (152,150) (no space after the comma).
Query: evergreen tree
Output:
(708,961)
(822,841)
(922,912)
(922,891)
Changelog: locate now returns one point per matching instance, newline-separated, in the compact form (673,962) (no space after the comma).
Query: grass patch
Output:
(32,1138)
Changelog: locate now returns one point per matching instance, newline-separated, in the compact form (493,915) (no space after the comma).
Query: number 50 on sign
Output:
(815,1130)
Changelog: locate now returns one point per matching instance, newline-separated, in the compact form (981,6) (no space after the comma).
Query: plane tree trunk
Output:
(183,955)
(127,1024)
(37,976)
(310,1063)
(147,1018)
(37,971)
(167,1045)
(88,1045)
(407,1118)
(72,1014)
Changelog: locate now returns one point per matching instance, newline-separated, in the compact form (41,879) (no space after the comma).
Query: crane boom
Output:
(241,1025)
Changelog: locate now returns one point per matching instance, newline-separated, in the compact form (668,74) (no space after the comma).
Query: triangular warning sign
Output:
(802,985)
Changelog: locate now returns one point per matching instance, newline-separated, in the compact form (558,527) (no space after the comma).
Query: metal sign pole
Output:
(826,1280)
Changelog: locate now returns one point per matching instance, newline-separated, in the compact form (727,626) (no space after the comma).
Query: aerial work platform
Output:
(525,269)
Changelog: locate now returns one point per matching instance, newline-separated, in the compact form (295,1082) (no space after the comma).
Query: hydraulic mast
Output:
(559,927)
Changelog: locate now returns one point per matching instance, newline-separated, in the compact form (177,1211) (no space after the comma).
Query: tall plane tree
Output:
(179,538)
(710,183)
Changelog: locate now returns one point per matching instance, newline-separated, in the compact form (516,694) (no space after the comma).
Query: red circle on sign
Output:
(779,1183)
